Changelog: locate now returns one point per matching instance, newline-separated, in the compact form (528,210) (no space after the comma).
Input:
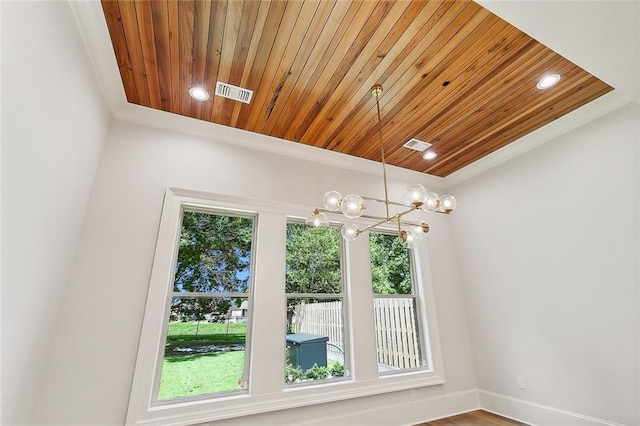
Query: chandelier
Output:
(352,206)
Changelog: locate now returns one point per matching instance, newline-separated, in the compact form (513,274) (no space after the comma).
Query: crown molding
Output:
(95,35)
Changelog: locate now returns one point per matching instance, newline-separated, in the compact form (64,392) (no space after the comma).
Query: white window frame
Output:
(267,391)
(212,295)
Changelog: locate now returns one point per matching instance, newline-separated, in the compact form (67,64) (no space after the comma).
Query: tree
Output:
(213,257)
(390,271)
(313,260)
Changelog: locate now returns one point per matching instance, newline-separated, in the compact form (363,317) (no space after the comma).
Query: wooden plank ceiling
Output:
(454,74)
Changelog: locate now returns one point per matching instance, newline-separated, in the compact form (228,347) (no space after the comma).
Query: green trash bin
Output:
(304,350)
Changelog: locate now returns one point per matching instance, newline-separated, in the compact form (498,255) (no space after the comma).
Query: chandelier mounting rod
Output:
(376,91)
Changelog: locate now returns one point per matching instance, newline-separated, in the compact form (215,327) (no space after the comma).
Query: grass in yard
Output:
(188,375)
(184,333)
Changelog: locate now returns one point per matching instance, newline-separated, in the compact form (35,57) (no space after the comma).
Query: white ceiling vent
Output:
(417,145)
(233,92)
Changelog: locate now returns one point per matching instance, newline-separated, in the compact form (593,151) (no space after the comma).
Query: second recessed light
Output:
(198,93)
(429,155)
(548,81)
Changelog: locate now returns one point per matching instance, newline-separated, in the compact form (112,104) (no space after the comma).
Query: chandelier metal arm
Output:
(380,220)
(395,203)
(378,200)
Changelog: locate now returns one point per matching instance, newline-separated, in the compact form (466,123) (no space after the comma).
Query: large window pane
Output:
(207,321)
(398,335)
(214,253)
(315,337)
(313,259)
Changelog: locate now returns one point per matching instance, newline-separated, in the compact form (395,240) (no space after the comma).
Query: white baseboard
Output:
(418,410)
(407,413)
(535,414)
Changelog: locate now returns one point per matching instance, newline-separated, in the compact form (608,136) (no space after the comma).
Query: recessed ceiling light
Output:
(548,81)
(429,155)
(198,93)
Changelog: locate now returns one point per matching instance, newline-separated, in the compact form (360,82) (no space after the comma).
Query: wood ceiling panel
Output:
(350,131)
(311,65)
(353,93)
(305,61)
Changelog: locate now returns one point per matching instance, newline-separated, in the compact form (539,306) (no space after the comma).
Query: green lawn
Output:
(188,375)
(197,374)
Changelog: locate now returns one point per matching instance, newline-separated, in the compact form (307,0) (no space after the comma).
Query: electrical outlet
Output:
(520,381)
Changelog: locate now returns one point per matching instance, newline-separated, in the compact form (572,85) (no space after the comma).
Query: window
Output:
(204,351)
(238,273)
(397,326)
(315,337)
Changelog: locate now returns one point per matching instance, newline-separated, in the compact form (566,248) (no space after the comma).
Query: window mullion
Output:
(358,275)
(210,295)
(316,295)
(267,348)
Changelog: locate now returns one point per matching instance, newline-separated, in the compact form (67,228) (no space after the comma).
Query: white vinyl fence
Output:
(396,333)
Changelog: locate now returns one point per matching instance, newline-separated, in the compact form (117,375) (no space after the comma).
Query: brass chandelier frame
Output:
(416,197)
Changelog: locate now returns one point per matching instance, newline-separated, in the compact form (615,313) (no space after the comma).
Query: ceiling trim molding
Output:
(594,109)
(95,34)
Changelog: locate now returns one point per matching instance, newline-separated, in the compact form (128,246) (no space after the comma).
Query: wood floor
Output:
(474,418)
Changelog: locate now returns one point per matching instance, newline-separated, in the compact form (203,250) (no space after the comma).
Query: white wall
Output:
(54,121)
(92,357)
(549,248)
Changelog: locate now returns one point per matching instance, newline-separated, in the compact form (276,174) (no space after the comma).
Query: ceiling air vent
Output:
(233,92)
(417,145)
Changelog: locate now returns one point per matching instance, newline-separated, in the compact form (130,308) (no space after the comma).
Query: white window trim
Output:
(268,349)
(172,294)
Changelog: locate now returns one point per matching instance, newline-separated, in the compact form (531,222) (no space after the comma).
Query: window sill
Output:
(201,411)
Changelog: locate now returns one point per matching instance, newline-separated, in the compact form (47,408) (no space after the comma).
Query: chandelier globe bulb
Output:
(317,219)
(352,206)
(332,201)
(350,231)
(448,203)
(413,238)
(432,203)
(415,195)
